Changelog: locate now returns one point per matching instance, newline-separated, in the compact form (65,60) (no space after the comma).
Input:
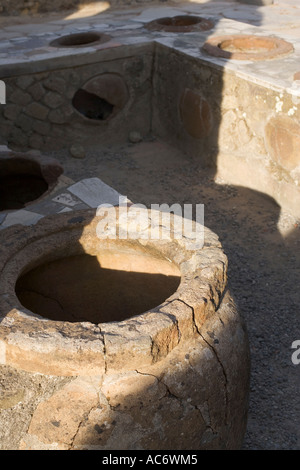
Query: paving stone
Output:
(23,217)
(94,192)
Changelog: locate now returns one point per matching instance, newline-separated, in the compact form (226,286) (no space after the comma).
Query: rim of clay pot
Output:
(36,344)
(180,24)
(83,39)
(247,47)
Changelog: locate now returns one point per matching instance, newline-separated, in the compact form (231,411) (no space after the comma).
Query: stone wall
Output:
(39,113)
(247,132)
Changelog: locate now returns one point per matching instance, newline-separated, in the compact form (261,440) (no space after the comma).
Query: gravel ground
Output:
(262,245)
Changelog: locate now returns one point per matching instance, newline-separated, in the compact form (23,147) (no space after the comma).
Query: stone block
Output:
(55,84)
(37,110)
(56,116)
(53,99)
(11,111)
(41,127)
(24,81)
(37,91)
(94,192)
(36,141)
(24,122)
(20,98)
(18,137)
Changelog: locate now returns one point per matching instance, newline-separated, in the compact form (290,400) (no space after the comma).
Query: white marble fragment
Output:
(22,217)
(93,192)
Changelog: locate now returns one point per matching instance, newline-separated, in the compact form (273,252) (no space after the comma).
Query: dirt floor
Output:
(262,244)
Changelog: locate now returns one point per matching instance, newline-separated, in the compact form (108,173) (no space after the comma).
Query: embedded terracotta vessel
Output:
(247,47)
(180,24)
(80,39)
(146,325)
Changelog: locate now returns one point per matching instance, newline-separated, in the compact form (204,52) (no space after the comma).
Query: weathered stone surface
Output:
(56,116)
(56,420)
(233,131)
(12,111)
(20,393)
(48,97)
(19,137)
(23,122)
(41,127)
(196,114)
(55,84)
(37,110)
(175,376)
(37,91)
(77,151)
(36,141)
(245,114)
(53,99)
(24,82)
(20,98)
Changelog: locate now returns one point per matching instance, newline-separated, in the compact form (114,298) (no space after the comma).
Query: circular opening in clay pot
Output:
(101,97)
(251,44)
(91,105)
(106,288)
(247,47)
(21,182)
(80,39)
(181,23)
(81,288)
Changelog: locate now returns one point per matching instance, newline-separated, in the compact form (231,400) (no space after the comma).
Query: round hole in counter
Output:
(247,47)
(80,39)
(180,23)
